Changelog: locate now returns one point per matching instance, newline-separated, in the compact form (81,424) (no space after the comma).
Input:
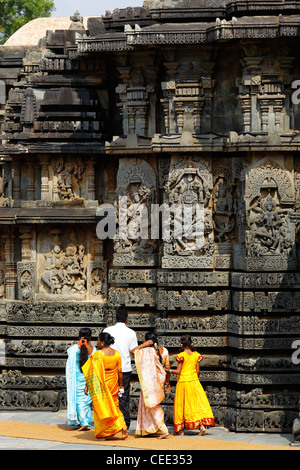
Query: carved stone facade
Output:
(170,103)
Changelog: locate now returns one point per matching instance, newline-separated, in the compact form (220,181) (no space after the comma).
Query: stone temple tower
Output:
(171,103)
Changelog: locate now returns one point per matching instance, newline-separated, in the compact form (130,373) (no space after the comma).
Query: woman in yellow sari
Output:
(191,407)
(103,375)
(152,363)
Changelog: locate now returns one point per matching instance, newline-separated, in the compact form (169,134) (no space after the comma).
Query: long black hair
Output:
(84,334)
(186,342)
(151,335)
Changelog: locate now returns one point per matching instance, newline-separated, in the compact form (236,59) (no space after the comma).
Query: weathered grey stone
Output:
(172,102)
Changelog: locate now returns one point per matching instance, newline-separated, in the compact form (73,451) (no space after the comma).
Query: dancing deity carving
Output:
(269,196)
(135,194)
(65,271)
(189,187)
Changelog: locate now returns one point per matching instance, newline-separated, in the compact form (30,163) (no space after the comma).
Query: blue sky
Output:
(91,7)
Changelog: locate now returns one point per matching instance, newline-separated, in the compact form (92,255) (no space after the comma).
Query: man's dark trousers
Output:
(124,400)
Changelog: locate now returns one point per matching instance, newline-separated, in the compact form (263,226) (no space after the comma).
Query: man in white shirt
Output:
(125,343)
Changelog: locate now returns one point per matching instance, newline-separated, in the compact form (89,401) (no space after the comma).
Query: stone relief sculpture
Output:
(26,285)
(270,238)
(189,184)
(223,211)
(2,285)
(64,270)
(69,174)
(183,113)
(5,185)
(136,191)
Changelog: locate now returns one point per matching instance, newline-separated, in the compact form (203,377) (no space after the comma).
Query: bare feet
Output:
(83,428)
(202,431)
(163,436)
(124,434)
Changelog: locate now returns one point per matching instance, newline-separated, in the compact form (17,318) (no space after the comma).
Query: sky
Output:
(91,7)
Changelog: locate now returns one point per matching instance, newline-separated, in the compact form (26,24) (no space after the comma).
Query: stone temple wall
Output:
(137,104)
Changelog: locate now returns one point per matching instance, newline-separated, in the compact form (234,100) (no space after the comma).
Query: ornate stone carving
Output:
(132,276)
(266,301)
(63,271)
(56,312)
(192,278)
(137,94)
(189,183)
(270,238)
(136,191)
(97,280)
(185,109)
(26,280)
(132,297)
(69,174)
(264,94)
(193,300)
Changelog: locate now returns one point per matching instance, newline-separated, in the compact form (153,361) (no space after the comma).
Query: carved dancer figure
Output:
(191,407)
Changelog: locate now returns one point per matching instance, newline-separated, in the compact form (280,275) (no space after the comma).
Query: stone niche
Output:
(67,268)
(269,236)
(189,183)
(135,193)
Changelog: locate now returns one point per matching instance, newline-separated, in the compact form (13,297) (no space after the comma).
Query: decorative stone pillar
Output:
(16,178)
(90,172)
(44,161)
(246,108)
(10,265)
(198,106)
(26,269)
(30,182)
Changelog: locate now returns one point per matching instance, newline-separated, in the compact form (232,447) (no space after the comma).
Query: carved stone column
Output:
(26,269)
(44,160)
(90,172)
(246,108)
(10,265)
(16,178)
(30,182)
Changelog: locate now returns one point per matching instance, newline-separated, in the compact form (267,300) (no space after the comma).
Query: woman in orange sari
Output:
(103,375)
(191,407)
(152,363)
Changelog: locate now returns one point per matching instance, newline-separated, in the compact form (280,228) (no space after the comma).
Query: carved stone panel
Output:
(193,300)
(62,265)
(26,280)
(136,191)
(189,183)
(270,236)
(97,280)
(132,296)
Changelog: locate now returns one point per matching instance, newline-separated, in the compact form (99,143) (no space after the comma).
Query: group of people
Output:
(100,378)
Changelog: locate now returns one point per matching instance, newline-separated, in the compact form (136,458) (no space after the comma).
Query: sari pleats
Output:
(79,404)
(103,388)
(152,377)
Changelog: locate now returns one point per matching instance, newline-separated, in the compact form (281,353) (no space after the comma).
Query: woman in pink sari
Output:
(152,363)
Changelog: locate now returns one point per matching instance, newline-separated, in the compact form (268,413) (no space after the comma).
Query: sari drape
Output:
(152,377)
(103,388)
(79,404)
